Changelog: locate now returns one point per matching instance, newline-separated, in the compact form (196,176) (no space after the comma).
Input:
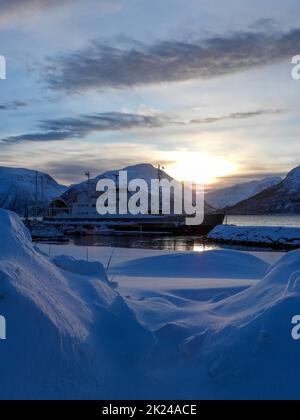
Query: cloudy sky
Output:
(102,84)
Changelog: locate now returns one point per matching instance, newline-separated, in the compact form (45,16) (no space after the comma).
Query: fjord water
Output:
(184,243)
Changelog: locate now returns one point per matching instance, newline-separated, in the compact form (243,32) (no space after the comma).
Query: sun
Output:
(199,168)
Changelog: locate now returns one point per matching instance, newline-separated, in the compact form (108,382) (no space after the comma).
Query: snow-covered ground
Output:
(260,235)
(214,325)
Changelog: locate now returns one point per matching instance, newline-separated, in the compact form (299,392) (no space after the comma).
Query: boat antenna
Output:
(88,175)
(42,196)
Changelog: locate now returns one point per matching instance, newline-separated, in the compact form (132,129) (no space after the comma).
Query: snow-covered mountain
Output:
(143,171)
(23,188)
(228,197)
(283,198)
(146,172)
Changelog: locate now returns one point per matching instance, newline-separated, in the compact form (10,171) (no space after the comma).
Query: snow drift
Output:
(67,334)
(238,348)
(70,335)
(210,264)
(248,346)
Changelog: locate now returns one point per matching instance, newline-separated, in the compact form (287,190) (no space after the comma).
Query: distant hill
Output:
(18,190)
(228,197)
(146,172)
(283,198)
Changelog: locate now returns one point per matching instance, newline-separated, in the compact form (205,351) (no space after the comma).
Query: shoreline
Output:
(249,244)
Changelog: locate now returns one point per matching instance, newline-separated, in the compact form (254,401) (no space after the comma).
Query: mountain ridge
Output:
(230,196)
(283,198)
(23,189)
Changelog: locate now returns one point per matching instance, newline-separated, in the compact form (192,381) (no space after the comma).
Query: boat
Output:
(169,225)
(142,224)
(74,231)
(77,210)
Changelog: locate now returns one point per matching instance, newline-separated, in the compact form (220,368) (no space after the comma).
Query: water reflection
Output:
(186,243)
(146,242)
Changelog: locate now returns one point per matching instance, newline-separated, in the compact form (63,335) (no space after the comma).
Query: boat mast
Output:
(88,175)
(36,194)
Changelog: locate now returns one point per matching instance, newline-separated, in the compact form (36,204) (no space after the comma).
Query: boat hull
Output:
(157,225)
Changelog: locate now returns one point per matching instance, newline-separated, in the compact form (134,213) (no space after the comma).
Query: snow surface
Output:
(267,235)
(69,336)
(73,336)
(210,264)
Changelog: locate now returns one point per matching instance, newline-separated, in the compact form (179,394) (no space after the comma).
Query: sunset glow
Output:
(200,168)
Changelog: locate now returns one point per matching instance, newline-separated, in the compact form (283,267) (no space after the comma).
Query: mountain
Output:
(22,188)
(146,172)
(228,197)
(283,198)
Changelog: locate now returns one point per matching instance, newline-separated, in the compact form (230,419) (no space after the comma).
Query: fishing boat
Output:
(77,210)
(162,225)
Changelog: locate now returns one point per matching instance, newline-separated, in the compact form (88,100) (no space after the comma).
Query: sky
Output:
(202,89)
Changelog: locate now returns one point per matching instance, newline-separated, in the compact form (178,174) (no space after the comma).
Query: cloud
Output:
(102,66)
(72,170)
(13,6)
(11,9)
(80,127)
(70,128)
(12,106)
(238,116)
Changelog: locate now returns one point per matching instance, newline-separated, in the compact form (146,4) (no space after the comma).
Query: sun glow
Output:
(199,168)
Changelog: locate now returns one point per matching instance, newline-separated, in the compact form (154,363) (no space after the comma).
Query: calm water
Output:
(146,242)
(184,243)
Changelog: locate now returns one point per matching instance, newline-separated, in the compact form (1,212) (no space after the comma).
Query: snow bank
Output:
(270,236)
(84,268)
(210,264)
(241,347)
(249,346)
(68,336)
